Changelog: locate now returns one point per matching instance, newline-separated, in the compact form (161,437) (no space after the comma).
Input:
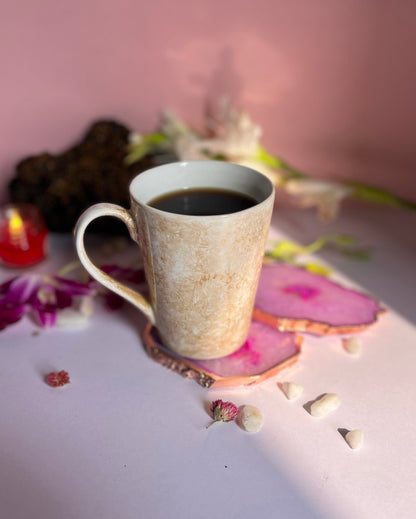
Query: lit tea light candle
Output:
(23,235)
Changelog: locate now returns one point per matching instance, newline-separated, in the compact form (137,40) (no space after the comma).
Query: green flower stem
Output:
(293,174)
(288,251)
(378,196)
(278,163)
(150,142)
(212,423)
(157,140)
(69,267)
(359,190)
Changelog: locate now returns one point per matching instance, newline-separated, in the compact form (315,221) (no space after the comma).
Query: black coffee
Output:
(202,202)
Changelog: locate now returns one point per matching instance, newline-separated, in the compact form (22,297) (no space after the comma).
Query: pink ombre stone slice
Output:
(290,292)
(264,348)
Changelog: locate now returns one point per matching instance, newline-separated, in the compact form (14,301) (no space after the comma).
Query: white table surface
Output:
(127,438)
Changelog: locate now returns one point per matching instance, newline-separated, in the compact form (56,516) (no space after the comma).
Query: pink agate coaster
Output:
(265,352)
(290,298)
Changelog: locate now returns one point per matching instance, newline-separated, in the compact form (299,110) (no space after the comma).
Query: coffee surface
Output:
(203,202)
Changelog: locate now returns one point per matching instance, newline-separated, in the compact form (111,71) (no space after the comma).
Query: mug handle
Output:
(90,214)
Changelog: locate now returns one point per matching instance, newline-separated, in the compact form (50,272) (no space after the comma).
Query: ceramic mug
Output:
(202,271)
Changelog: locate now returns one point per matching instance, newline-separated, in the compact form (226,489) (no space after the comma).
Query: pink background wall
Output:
(332,83)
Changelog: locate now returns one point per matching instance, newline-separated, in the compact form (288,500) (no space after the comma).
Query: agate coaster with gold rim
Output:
(292,299)
(264,354)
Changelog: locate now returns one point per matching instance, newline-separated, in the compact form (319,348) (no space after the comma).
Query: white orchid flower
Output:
(326,196)
(173,127)
(236,138)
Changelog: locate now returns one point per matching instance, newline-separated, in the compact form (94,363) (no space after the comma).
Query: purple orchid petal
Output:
(10,314)
(45,295)
(112,301)
(46,318)
(4,287)
(38,293)
(50,299)
(124,273)
(63,299)
(21,289)
(75,288)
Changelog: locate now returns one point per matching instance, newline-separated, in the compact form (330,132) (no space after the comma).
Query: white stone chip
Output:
(355,438)
(78,315)
(324,405)
(70,318)
(292,390)
(85,305)
(251,418)
(352,345)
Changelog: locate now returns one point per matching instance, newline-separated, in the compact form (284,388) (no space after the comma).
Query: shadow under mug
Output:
(202,271)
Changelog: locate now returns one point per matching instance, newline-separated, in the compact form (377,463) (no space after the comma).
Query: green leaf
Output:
(137,153)
(264,156)
(357,254)
(276,162)
(379,196)
(344,239)
(156,139)
(149,142)
(317,268)
(288,251)
(285,250)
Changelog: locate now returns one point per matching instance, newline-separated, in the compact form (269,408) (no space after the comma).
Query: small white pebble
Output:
(70,318)
(352,345)
(355,438)
(292,390)
(85,305)
(251,418)
(78,315)
(324,405)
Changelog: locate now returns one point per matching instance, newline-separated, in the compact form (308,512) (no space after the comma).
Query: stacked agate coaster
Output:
(265,352)
(293,299)
(290,301)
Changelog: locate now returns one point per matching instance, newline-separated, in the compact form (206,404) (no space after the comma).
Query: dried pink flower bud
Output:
(57,379)
(223,411)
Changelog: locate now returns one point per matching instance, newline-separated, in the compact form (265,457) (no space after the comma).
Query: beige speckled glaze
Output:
(202,271)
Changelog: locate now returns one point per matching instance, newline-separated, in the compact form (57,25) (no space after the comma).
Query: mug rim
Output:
(141,177)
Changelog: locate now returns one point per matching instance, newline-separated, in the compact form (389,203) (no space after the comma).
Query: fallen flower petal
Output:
(124,273)
(57,378)
(46,297)
(40,295)
(9,314)
(223,412)
(111,300)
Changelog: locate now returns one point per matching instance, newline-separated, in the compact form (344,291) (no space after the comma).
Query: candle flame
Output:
(15,224)
(17,230)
